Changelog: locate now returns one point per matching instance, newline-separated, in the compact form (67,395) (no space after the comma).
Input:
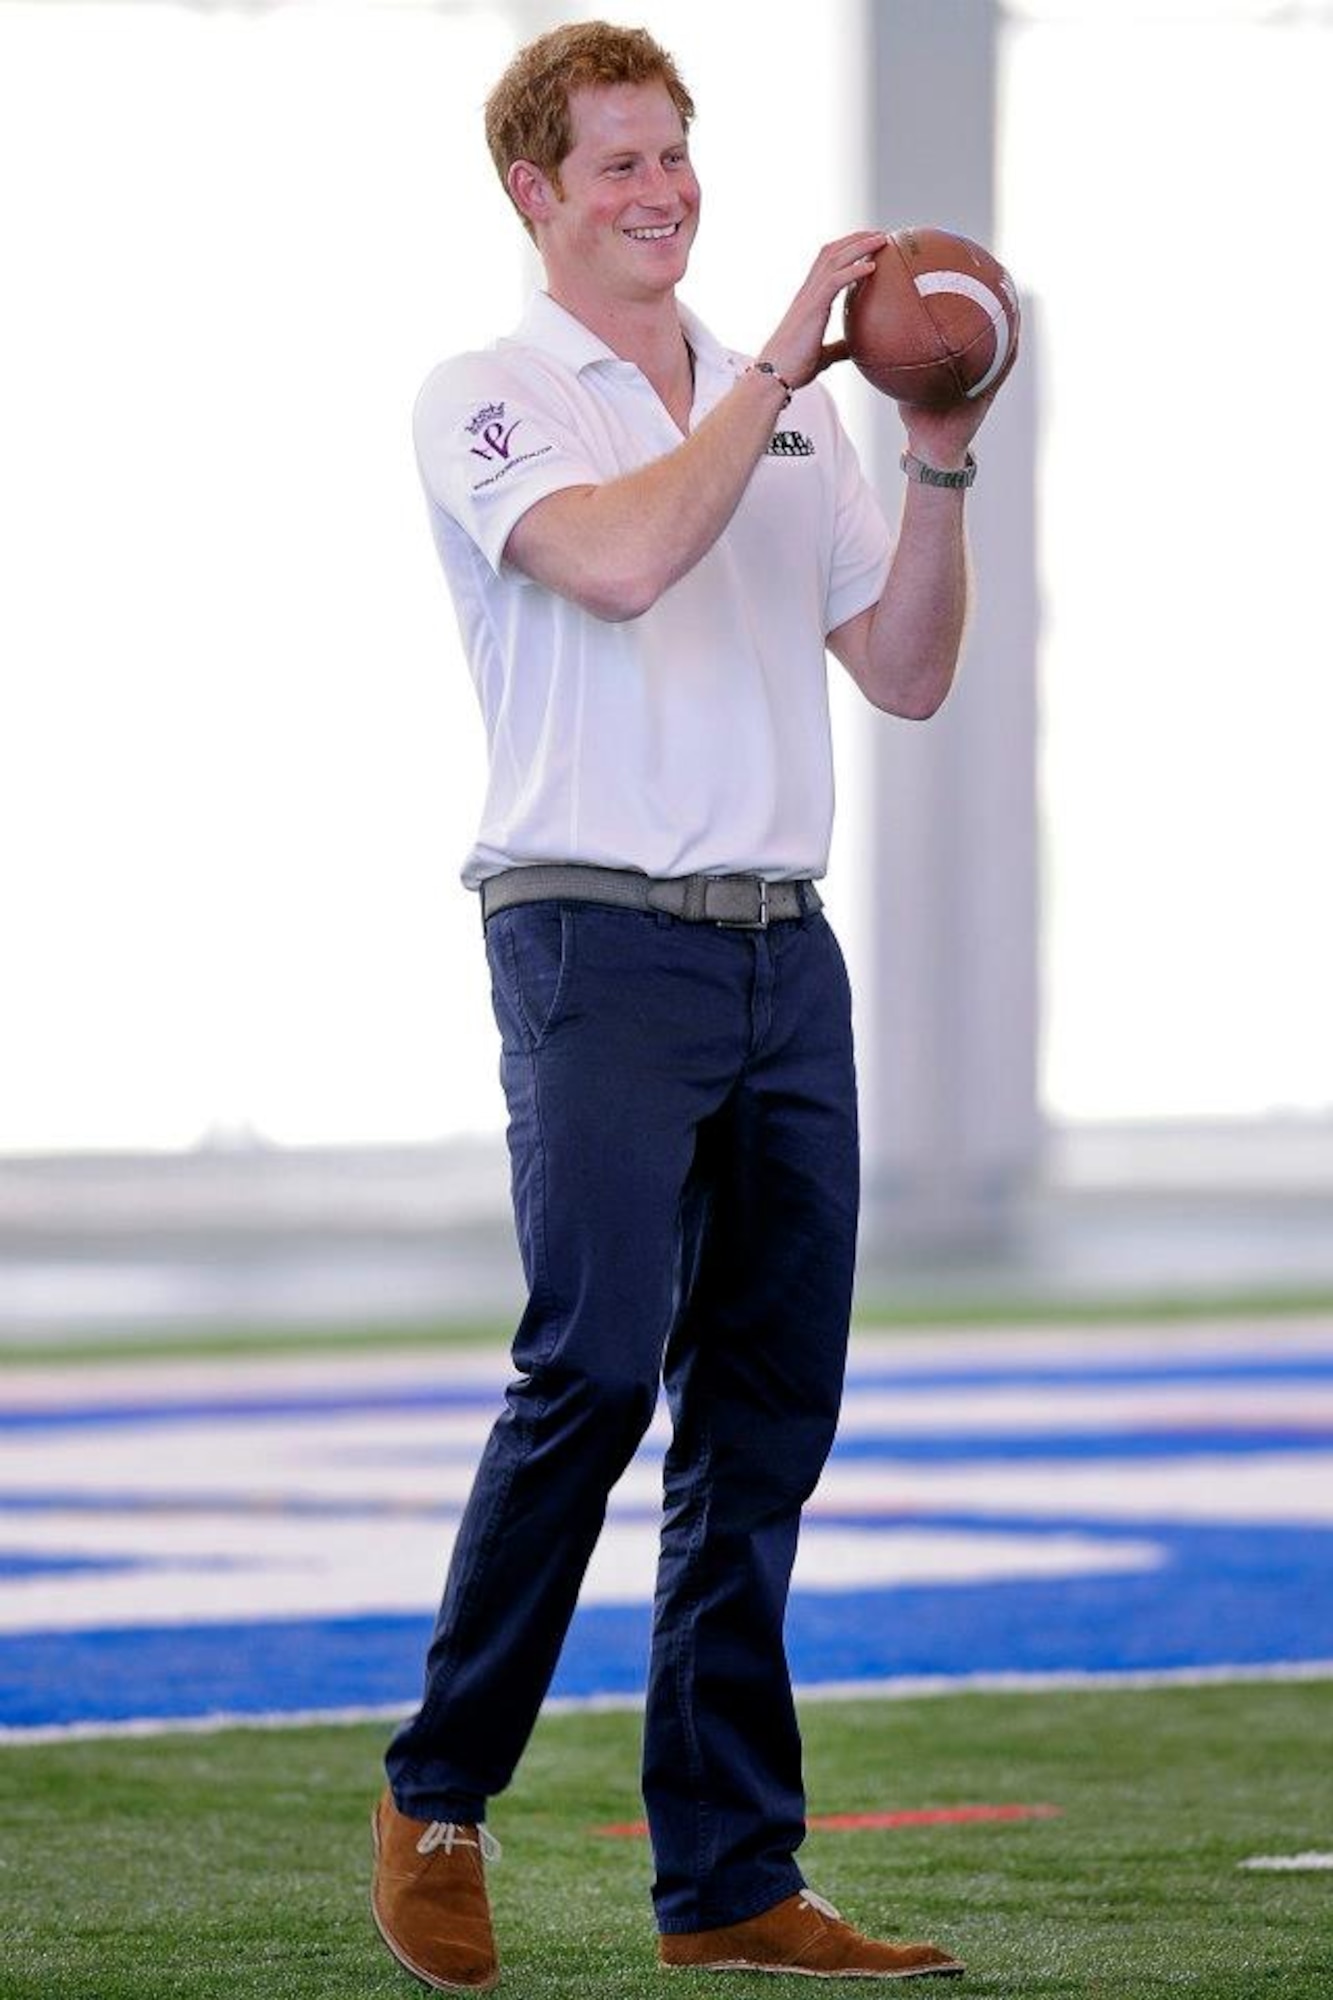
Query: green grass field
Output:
(234,1866)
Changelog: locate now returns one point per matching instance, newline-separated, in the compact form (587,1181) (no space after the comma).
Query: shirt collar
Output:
(555,331)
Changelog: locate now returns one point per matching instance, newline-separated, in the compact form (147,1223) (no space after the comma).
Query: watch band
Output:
(931,475)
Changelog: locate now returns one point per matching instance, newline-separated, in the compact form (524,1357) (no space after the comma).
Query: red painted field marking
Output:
(635,1829)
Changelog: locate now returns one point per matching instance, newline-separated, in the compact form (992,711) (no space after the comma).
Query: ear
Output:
(531,192)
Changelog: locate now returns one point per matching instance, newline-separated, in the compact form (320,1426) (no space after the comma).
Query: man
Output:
(650,543)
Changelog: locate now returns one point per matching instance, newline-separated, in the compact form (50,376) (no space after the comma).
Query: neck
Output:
(647,332)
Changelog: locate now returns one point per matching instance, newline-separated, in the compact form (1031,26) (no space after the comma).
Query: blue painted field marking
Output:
(245,1497)
(907,1384)
(1176,1442)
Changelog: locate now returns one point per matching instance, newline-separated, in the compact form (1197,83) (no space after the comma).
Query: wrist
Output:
(768,371)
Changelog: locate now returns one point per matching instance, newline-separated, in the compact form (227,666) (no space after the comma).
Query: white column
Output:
(947,1015)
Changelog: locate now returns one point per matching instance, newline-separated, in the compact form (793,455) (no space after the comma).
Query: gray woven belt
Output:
(741,902)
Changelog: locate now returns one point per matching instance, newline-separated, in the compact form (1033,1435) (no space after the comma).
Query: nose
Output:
(659,185)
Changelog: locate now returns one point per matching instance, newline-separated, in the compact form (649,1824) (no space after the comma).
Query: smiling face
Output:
(616,226)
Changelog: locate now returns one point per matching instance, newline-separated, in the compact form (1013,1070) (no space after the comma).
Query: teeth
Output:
(652,235)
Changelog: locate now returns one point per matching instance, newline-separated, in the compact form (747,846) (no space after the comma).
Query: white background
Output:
(239,757)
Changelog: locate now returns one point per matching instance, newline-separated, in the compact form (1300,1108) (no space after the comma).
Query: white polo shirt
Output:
(695,738)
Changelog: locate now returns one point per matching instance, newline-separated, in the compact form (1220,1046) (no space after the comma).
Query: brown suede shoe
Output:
(429,1899)
(803,1935)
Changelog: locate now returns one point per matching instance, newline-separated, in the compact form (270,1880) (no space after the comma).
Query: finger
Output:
(850,257)
(833,351)
(861,243)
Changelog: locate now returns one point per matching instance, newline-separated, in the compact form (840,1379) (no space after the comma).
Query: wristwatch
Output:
(931,475)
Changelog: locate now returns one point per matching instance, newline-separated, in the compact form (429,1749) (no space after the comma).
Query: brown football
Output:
(937,320)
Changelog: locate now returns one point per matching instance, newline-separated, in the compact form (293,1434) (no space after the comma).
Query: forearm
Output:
(914,634)
(614,548)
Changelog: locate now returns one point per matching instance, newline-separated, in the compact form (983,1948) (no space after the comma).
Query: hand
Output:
(797,349)
(942,436)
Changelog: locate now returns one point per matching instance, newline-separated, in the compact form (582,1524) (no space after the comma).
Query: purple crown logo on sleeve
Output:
(488,426)
(489,413)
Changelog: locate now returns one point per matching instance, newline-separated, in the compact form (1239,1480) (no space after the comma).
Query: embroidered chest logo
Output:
(489,428)
(790,444)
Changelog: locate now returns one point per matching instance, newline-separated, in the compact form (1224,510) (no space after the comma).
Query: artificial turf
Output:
(236,1865)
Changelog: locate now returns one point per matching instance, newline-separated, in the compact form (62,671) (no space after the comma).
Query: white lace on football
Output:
(820,1903)
(446,1834)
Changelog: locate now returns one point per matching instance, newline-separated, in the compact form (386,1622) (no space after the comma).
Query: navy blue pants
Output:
(685,1180)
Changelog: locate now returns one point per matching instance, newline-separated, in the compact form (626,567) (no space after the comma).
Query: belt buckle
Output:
(759,923)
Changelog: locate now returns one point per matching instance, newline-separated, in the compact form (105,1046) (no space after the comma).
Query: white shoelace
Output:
(446,1834)
(821,1904)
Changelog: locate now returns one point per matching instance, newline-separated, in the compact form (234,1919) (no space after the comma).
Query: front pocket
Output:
(530,949)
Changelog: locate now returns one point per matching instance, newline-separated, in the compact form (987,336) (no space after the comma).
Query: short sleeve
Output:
(862,540)
(490,444)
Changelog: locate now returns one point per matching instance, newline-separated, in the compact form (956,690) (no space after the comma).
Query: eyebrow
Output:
(614,153)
